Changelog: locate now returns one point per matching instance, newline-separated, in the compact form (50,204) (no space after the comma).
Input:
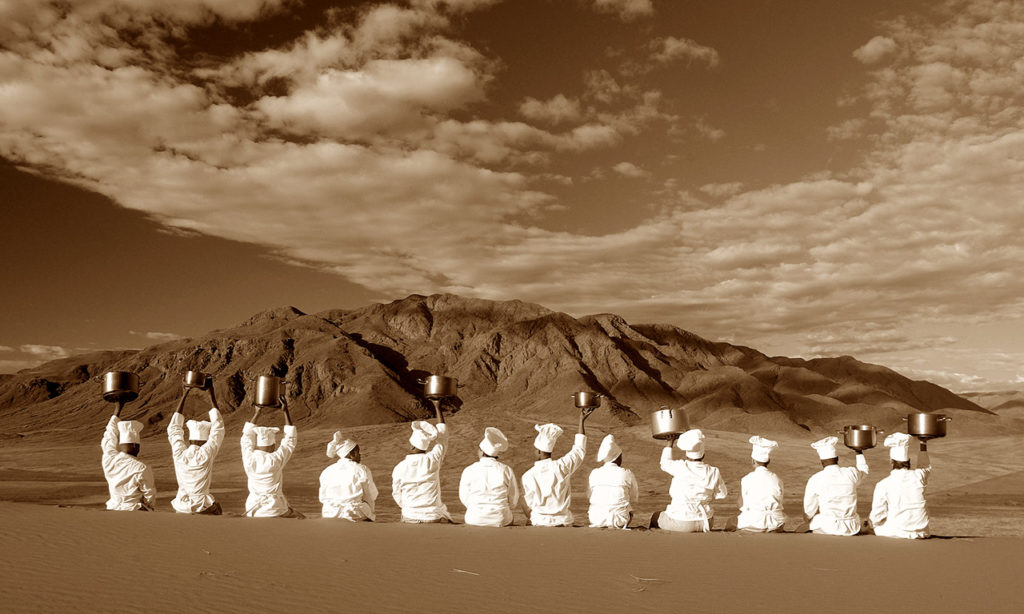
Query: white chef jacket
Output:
(347,491)
(694,484)
(416,482)
(761,501)
(489,491)
(129,480)
(193,465)
(611,490)
(830,499)
(898,508)
(266,472)
(546,486)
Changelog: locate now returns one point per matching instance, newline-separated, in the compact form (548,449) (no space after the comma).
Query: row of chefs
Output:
(489,488)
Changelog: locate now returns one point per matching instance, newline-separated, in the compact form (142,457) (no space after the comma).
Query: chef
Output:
(694,485)
(830,499)
(898,508)
(129,480)
(416,479)
(346,487)
(761,509)
(546,485)
(193,460)
(488,488)
(611,489)
(264,461)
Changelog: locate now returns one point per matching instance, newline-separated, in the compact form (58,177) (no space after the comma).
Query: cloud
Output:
(626,10)
(556,110)
(875,50)
(156,336)
(7,348)
(672,49)
(46,352)
(847,130)
(338,160)
(628,169)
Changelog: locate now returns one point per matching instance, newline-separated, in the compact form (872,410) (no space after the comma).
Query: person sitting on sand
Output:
(264,463)
(129,480)
(611,488)
(546,485)
(898,508)
(193,461)
(488,487)
(761,509)
(416,479)
(830,499)
(694,484)
(346,487)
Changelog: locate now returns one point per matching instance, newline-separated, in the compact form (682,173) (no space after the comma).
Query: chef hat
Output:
(494,442)
(547,435)
(199,430)
(692,442)
(826,448)
(129,431)
(609,450)
(899,446)
(339,446)
(761,448)
(423,434)
(266,435)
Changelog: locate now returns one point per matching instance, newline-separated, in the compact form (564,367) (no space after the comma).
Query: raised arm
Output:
(181,403)
(109,441)
(216,440)
(585,412)
(923,460)
(176,433)
(440,447)
(862,463)
(666,456)
(572,460)
(249,437)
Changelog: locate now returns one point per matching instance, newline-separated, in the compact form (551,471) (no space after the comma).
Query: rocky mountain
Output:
(362,366)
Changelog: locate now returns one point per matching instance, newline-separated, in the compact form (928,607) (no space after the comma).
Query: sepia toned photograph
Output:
(511,306)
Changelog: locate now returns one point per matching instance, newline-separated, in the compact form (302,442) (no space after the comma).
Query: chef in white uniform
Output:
(761,508)
(346,488)
(416,479)
(898,508)
(129,480)
(488,488)
(830,499)
(547,486)
(694,485)
(193,459)
(264,461)
(611,489)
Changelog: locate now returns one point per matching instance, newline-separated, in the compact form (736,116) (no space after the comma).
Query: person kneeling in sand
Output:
(830,499)
(264,463)
(694,484)
(611,489)
(193,461)
(488,487)
(346,487)
(761,509)
(898,508)
(416,479)
(129,480)
(546,485)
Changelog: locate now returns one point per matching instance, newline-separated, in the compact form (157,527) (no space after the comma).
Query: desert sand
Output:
(62,552)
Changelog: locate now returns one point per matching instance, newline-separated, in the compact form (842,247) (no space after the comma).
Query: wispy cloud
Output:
(46,352)
(156,336)
(627,10)
(672,49)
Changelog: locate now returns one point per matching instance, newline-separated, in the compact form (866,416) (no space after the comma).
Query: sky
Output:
(805,177)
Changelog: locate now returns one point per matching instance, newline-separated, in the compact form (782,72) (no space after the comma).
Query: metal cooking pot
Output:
(439,386)
(120,386)
(666,423)
(268,389)
(587,399)
(927,426)
(860,436)
(196,379)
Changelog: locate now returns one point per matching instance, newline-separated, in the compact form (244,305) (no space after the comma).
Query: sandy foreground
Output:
(77,559)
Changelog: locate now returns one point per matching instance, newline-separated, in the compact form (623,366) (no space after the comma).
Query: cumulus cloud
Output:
(340,161)
(875,50)
(628,169)
(46,352)
(672,49)
(156,336)
(626,10)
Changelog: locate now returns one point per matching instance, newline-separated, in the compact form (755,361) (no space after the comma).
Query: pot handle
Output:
(905,419)
(945,419)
